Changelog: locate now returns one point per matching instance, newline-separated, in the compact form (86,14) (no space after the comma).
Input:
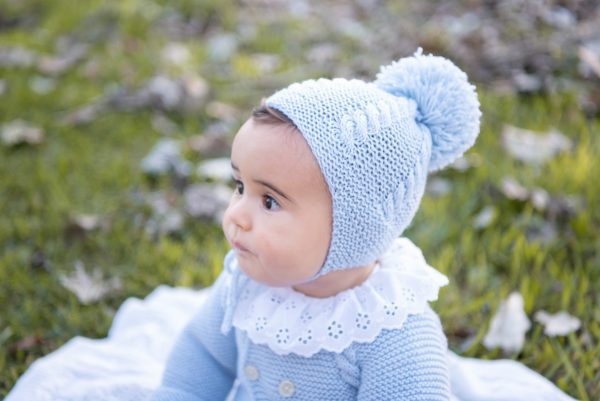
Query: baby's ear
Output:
(447,103)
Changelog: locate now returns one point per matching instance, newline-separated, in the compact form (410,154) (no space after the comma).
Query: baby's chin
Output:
(253,271)
(257,274)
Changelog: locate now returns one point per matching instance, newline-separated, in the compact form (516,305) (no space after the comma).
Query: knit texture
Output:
(447,103)
(409,363)
(202,364)
(375,148)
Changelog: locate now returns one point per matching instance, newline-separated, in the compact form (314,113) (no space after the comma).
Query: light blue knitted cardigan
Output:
(409,363)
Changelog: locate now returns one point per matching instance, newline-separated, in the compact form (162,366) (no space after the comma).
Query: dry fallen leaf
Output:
(176,53)
(42,85)
(554,206)
(526,82)
(80,224)
(195,91)
(59,64)
(221,47)
(532,147)
(466,162)
(207,201)
(164,90)
(86,222)
(509,325)
(323,54)
(27,343)
(266,62)
(85,114)
(166,217)
(169,222)
(18,131)
(438,186)
(212,143)
(513,190)
(590,59)
(166,157)
(215,169)
(222,111)
(485,217)
(163,124)
(558,324)
(161,92)
(17,57)
(539,198)
(89,288)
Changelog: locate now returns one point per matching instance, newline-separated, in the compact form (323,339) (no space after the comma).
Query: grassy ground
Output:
(94,169)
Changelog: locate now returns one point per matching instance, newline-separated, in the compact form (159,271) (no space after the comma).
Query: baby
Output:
(319,298)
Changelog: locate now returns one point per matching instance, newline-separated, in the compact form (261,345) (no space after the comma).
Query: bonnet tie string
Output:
(237,282)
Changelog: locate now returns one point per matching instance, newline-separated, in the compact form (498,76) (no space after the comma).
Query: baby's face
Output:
(279,218)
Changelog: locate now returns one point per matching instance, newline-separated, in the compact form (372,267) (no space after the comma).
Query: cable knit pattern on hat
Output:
(373,143)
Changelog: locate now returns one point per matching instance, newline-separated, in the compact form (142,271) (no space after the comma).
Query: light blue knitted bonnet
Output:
(375,143)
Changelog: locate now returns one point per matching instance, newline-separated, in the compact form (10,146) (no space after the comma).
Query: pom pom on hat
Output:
(446,102)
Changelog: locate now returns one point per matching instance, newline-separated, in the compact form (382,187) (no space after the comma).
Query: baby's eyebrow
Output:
(265,183)
(273,188)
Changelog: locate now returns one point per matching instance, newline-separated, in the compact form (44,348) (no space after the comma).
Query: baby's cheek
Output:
(277,255)
(274,252)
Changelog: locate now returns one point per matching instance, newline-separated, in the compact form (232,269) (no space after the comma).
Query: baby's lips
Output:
(239,247)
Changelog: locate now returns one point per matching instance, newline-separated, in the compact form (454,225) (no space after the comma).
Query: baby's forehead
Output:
(279,151)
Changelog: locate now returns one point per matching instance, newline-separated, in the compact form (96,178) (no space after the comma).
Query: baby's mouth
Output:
(238,247)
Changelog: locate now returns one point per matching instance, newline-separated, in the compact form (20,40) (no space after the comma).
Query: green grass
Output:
(486,265)
(94,169)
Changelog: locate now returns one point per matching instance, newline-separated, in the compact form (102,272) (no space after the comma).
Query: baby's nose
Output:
(239,214)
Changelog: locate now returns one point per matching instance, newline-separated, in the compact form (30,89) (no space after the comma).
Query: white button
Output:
(251,372)
(286,388)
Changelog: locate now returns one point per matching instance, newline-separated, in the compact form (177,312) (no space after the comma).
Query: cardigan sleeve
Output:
(406,364)
(202,364)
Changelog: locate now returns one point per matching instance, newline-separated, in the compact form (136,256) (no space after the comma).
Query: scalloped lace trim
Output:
(288,321)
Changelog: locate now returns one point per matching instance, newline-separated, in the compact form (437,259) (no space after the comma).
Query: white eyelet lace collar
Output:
(288,321)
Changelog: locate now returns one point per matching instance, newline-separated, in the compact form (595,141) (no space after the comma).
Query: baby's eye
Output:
(270,203)
(239,187)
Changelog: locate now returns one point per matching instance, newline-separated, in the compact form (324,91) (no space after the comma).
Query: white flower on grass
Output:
(509,325)
(558,324)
